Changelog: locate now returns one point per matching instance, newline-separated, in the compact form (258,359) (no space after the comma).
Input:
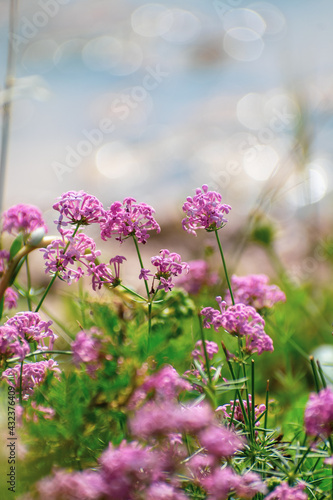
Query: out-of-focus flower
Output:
(33,374)
(22,218)
(59,255)
(197,277)
(286,492)
(12,343)
(85,485)
(239,320)
(204,211)
(78,207)
(248,485)
(236,410)
(318,416)
(169,265)
(163,491)
(220,441)
(254,290)
(222,482)
(211,349)
(10,298)
(166,384)
(4,258)
(88,348)
(128,219)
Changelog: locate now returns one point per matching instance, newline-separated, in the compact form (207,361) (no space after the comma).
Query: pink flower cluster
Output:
(318,416)
(211,349)
(286,492)
(129,219)
(78,207)
(169,265)
(33,374)
(236,410)
(254,290)
(239,320)
(198,276)
(22,329)
(102,274)
(204,211)
(89,349)
(223,482)
(23,218)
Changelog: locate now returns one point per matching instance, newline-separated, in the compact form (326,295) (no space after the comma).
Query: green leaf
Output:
(16,245)
(1,306)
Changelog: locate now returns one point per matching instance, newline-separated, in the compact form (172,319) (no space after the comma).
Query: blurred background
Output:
(151,100)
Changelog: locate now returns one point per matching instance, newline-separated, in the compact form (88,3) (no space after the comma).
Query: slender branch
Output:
(35,353)
(225,267)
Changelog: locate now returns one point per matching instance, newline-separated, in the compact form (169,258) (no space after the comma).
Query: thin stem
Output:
(8,90)
(315,373)
(202,335)
(35,353)
(266,404)
(321,374)
(132,292)
(225,267)
(252,394)
(141,263)
(56,274)
(21,377)
(28,282)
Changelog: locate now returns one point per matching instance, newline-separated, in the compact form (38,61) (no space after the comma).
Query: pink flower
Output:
(102,274)
(242,321)
(204,211)
(219,484)
(85,485)
(236,410)
(78,207)
(286,492)
(12,343)
(145,274)
(23,218)
(128,219)
(211,349)
(197,277)
(58,256)
(318,416)
(10,298)
(88,348)
(166,384)
(169,265)
(164,491)
(220,442)
(127,469)
(4,258)
(248,485)
(253,290)
(32,374)
(30,327)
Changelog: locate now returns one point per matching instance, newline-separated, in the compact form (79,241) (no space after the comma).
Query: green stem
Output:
(202,335)
(225,267)
(266,404)
(321,374)
(132,292)
(141,263)
(252,394)
(21,377)
(36,353)
(28,282)
(56,274)
(315,373)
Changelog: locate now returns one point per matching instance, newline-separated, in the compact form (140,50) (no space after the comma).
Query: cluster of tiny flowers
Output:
(102,274)
(33,374)
(286,492)
(223,482)
(19,331)
(211,349)
(204,211)
(78,207)
(23,218)
(62,253)
(235,410)
(128,219)
(254,290)
(318,416)
(242,321)
(198,276)
(85,485)
(10,297)
(89,349)
(169,265)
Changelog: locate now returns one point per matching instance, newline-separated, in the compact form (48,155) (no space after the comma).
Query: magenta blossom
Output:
(286,492)
(242,321)
(85,485)
(22,218)
(222,482)
(12,343)
(62,254)
(234,409)
(4,258)
(78,207)
(102,274)
(204,211)
(211,349)
(169,265)
(129,219)
(254,290)
(220,441)
(318,416)
(164,491)
(30,327)
(166,384)
(198,276)
(11,298)
(88,349)
(33,374)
